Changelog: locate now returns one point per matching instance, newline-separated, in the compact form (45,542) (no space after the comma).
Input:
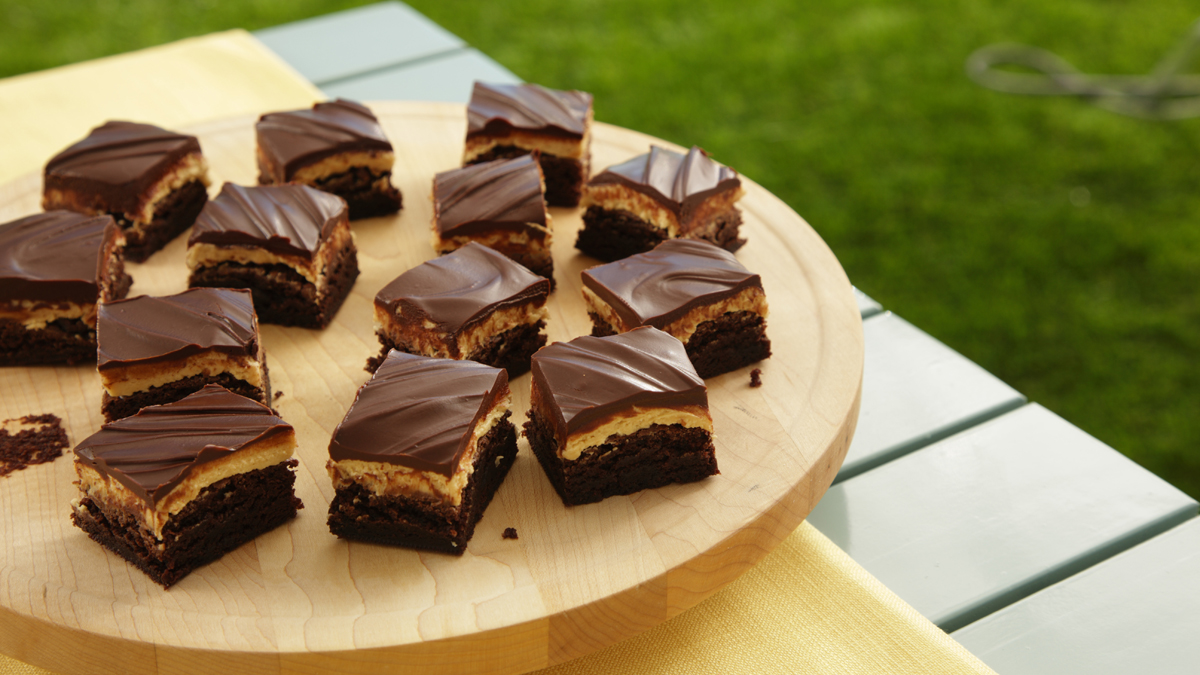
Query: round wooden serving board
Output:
(298,600)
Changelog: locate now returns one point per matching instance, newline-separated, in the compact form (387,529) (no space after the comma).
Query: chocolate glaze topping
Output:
(155,450)
(660,286)
(293,139)
(55,256)
(460,288)
(505,193)
(118,162)
(585,382)
(285,219)
(418,412)
(678,182)
(146,329)
(497,109)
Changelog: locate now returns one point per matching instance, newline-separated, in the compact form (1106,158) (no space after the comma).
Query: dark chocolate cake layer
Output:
(173,215)
(148,329)
(498,108)
(733,341)
(504,194)
(678,182)
(418,412)
(117,163)
(364,198)
(67,341)
(661,286)
(223,516)
(287,219)
(29,440)
(290,140)
(425,523)
(457,290)
(59,256)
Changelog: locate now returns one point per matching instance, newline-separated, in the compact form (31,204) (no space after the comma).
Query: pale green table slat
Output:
(984,518)
(916,390)
(447,78)
(1137,613)
(866,305)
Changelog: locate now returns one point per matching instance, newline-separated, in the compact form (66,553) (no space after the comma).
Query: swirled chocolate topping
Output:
(498,194)
(660,286)
(678,182)
(586,381)
(119,162)
(292,139)
(498,108)
(54,256)
(418,412)
(148,329)
(457,289)
(155,450)
(284,219)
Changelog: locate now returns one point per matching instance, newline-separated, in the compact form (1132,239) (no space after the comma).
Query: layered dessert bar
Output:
(510,120)
(634,206)
(55,268)
(691,289)
(158,350)
(153,182)
(470,304)
(289,245)
(177,486)
(617,415)
(421,452)
(499,204)
(338,147)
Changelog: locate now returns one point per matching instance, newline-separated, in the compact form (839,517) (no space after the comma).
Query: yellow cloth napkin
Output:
(806,608)
(172,86)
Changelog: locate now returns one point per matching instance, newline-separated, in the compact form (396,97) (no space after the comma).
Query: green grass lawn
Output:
(948,203)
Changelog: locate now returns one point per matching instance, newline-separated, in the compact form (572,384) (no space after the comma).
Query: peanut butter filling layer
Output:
(751,299)
(35,314)
(429,341)
(132,378)
(633,420)
(532,140)
(392,480)
(616,197)
(378,161)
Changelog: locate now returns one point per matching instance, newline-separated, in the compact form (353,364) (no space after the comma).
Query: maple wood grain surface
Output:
(298,600)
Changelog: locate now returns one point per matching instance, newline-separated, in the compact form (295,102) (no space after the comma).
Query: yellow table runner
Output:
(807,607)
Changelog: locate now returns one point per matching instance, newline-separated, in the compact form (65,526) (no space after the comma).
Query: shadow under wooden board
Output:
(300,600)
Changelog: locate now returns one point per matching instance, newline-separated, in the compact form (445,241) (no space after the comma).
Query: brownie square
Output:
(154,351)
(691,289)
(617,415)
(289,245)
(338,147)
(634,206)
(177,486)
(500,204)
(510,120)
(421,453)
(55,268)
(152,181)
(471,304)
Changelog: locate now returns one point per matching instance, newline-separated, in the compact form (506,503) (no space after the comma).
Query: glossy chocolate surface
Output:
(585,382)
(284,219)
(155,450)
(146,329)
(117,164)
(418,412)
(293,139)
(461,288)
(54,257)
(497,109)
(678,182)
(660,286)
(502,194)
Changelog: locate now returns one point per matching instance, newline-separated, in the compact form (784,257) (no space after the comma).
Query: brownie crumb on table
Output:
(756,377)
(278,395)
(510,533)
(28,440)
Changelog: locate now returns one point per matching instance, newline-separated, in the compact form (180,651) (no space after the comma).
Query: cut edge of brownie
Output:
(27,447)
(121,407)
(223,517)
(176,213)
(564,176)
(68,341)
(651,457)
(361,189)
(735,340)
(510,350)
(424,523)
(281,294)
(612,234)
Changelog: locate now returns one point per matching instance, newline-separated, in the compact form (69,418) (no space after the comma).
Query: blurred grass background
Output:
(1055,244)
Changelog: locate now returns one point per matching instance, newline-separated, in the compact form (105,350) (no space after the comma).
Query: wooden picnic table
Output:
(1038,547)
